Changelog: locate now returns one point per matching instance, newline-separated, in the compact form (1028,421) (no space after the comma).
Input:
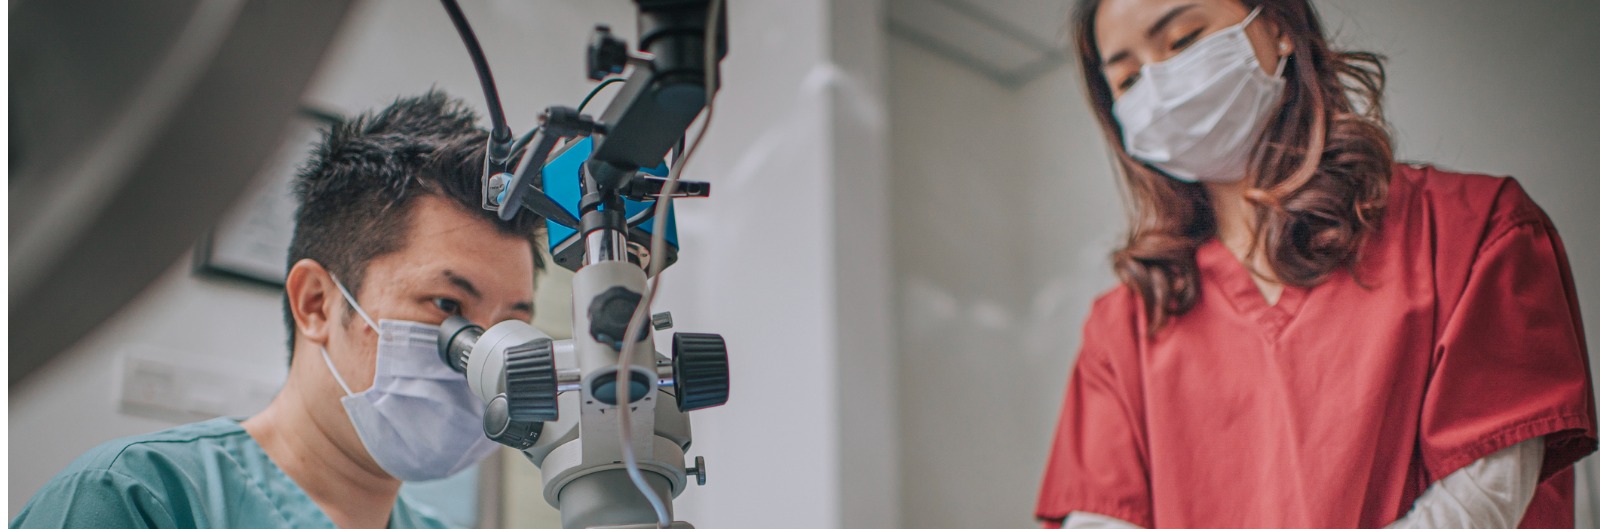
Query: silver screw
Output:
(497,187)
(661,320)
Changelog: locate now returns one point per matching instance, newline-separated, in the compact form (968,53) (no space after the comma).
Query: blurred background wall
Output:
(913,211)
(235,328)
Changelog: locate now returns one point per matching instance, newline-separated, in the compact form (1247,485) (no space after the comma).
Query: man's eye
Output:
(449,306)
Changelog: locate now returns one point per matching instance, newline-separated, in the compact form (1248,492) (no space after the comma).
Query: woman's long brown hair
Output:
(1318,178)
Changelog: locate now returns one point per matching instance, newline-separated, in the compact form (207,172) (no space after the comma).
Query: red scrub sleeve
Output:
(1511,363)
(1098,460)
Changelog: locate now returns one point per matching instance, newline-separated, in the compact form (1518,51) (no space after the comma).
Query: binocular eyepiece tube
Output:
(457,336)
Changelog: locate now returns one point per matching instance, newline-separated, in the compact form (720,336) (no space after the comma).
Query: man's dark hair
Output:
(356,190)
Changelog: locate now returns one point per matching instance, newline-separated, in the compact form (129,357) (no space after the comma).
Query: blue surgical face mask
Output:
(1197,115)
(419,420)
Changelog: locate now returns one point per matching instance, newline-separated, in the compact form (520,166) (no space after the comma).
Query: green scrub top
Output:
(203,475)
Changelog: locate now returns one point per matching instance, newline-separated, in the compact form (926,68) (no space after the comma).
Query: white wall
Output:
(789,258)
(1005,212)
(788,261)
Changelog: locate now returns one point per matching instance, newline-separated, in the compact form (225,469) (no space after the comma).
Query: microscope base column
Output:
(607,499)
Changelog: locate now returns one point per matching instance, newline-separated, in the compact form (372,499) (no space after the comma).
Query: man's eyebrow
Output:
(472,290)
(463,283)
(1161,23)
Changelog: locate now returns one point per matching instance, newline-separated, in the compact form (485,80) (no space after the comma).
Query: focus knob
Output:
(700,370)
(499,427)
(531,382)
(609,313)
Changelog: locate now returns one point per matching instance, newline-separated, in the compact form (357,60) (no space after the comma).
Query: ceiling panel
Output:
(1010,41)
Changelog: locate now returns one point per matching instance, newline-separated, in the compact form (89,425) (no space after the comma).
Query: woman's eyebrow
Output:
(1161,23)
(1115,58)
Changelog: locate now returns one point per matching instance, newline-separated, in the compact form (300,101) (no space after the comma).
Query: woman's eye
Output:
(1128,82)
(449,306)
(1185,41)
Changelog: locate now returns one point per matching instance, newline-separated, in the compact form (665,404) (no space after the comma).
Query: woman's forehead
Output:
(1120,23)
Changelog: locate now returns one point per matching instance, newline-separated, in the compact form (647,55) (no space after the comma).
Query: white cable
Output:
(657,250)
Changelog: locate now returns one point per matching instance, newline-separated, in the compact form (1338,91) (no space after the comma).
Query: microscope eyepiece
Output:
(457,335)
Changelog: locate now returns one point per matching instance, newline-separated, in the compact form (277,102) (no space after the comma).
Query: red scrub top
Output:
(1340,404)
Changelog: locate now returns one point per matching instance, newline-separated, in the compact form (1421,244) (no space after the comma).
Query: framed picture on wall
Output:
(252,241)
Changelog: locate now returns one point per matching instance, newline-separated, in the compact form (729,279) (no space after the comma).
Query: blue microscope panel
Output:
(561,183)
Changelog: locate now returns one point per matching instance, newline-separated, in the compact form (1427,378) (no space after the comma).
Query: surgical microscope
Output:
(608,436)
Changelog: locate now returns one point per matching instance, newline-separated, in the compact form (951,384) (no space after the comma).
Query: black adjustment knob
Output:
(607,54)
(531,381)
(609,314)
(698,470)
(499,427)
(699,370)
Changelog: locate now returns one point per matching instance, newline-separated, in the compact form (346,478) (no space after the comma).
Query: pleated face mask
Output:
(419,420)
(1196,115)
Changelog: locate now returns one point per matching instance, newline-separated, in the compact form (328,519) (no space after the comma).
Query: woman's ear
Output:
(1284,45)
(310,289)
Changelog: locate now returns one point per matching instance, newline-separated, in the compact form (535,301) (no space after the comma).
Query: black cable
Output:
(607,82)
(497,116)
(522,142)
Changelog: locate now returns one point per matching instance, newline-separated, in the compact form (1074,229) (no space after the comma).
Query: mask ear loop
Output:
(1251,17)
(1282,59)
(352,301)
(327,360)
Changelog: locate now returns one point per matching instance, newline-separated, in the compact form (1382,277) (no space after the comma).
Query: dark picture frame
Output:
(251,243)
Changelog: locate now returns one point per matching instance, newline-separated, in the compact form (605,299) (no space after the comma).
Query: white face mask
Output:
(419,420)
(1196,115)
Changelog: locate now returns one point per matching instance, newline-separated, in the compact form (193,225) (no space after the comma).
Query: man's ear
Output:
(310,289)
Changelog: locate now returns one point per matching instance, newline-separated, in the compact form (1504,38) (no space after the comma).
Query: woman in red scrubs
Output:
(1307,334)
